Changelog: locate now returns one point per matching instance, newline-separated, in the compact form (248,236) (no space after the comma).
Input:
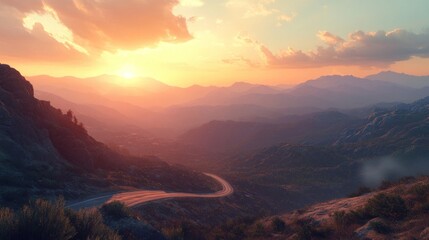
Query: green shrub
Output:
(115,210)
(391,207)
(278,225)
(380,227)
(45,221)
(89,224)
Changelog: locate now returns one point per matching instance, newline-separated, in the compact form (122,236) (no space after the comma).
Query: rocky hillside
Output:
(45,152)
(389,144)
(394,211)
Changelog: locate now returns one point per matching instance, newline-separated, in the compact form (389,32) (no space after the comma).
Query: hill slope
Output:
(44,152)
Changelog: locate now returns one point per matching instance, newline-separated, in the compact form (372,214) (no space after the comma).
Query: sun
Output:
(127,72)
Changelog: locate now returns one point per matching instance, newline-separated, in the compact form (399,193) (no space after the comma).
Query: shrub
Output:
(278,225)
(304,230)
(45,221)
(387,206)
(184,230)
(89,224)
(7,223)
(341,219)
(174,233)
(344,221)
(115,210)
(421,191)
(307,229)
(380,227)
(258,230)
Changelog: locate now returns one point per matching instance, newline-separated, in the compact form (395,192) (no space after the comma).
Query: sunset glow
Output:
(215,42)
(214,119)
(127,72)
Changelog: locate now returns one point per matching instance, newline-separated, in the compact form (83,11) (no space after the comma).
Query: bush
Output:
(115,210)
(341,219)
(420,191)
(7,223)
(387,206)
(304,230)
(278,225)
(45,221)
(307,229)
(184,230)
(89,224)
(380,227)
(258,230)
(174,233)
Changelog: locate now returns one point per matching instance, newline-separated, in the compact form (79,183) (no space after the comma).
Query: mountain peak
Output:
(13,82)
(389,73)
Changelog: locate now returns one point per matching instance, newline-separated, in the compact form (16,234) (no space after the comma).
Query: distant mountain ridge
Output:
(401,79)
(170,111)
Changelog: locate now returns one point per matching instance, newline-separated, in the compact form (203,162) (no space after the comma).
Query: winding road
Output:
(135,198)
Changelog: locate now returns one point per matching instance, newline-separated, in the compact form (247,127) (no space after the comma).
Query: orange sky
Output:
(214,42)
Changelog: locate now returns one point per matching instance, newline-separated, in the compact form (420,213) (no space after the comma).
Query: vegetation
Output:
(278,225)
(89,224)
(380,227)
(42,220)
(115,210)
(389,206)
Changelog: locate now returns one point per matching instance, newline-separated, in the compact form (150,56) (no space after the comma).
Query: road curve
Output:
(135,198)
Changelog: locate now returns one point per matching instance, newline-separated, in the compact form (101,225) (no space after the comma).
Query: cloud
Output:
(31,44)
(239,60)
(112,25)
(371,49)
(253,8)
(286,17)
(195,19)
(375,171)
(244,37)
(192,3)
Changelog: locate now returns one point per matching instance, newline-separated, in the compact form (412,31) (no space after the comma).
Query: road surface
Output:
(135,198)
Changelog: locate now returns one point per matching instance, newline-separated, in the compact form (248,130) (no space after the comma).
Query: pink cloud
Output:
(111,24)
(37,44)
(378,49)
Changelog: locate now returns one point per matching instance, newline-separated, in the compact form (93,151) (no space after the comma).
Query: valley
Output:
(270,159)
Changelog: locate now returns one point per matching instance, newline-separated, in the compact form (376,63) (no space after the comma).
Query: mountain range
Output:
(167,111)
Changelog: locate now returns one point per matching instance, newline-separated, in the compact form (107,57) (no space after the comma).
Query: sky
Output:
(215,42)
